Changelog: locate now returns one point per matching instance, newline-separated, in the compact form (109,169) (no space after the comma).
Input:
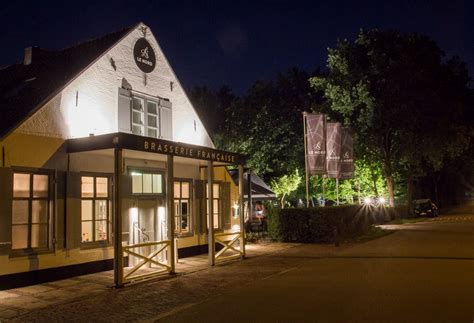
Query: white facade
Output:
(88,105)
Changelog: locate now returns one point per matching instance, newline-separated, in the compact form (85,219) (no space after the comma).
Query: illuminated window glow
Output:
(182,206)
(95,208)
(146,182)
(216,203)
(30,211)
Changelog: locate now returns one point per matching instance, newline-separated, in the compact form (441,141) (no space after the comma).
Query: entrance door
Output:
(149,221)
(148,224)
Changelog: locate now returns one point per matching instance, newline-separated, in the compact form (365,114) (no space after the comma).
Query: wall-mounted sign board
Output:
(159,146)
(144,55)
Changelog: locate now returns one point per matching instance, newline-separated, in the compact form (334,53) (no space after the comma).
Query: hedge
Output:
(320,224)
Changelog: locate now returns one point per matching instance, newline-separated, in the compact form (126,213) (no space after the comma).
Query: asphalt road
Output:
(422,273)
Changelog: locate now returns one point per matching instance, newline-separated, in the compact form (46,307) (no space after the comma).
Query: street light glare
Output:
(367,201)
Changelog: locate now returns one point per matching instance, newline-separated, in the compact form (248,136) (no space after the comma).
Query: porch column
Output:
(170,207)
(210,211)
(118,254)
(241,207)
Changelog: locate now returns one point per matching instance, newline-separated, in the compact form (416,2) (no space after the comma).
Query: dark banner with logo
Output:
(316,143)
(333,148)
(347,154)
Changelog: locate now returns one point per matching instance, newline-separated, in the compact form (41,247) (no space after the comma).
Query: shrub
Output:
(318,224)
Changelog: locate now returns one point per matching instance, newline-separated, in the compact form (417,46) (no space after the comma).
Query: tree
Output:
(211,106)
(266,124)
(401,97)
(285,185)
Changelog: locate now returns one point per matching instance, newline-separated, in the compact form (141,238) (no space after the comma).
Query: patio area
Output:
(15,302)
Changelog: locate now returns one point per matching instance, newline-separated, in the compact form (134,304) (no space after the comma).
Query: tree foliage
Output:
(266,124)
(401,97)
(285,185)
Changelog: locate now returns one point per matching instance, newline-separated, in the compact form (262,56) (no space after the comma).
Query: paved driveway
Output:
(422,273)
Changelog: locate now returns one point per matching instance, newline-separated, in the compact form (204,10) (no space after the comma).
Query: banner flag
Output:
(316,143)
(347,155)
(333,148)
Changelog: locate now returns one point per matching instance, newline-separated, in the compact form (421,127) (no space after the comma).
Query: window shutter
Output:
(200,206)
(166,120)
(124,111)
(6,195)
(73,216)
(225,205)
(60,216)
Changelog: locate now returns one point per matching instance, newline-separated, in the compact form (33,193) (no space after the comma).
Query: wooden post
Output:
(170,207)
(241,207)
(306,159)
(210,208)
(337,191)
(118,254)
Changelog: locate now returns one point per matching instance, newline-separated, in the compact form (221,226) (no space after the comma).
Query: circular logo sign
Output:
(144,55)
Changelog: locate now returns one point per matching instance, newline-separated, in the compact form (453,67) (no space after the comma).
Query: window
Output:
(152,119)
(30,211)
(146,182)
(182,206)
(216,203)
(95,208)
(138,117)
(145,117)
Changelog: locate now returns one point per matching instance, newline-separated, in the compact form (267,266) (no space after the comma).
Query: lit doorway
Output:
(147,250)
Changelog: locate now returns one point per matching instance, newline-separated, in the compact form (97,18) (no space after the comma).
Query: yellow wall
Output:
(26,150)
(22,150)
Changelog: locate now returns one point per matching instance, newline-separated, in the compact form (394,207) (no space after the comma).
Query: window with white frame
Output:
(145,117)
(95,208)
(31,211)
(138,116)
(216,203)
(182,206)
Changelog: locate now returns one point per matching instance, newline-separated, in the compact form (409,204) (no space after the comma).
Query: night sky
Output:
(234,42)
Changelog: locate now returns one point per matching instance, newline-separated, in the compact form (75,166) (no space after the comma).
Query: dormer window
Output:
(144,116)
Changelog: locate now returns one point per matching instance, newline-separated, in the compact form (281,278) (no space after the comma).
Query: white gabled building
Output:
(100,140)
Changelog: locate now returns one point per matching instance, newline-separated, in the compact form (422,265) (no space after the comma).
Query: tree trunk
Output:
(410,192)
(390,182)
(391,190)
(282,201)
(358,191)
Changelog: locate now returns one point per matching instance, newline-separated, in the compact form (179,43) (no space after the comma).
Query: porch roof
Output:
(153,145)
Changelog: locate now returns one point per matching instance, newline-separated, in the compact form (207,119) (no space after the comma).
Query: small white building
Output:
(99,140)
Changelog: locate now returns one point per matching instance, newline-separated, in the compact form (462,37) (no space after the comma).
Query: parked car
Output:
(425,207)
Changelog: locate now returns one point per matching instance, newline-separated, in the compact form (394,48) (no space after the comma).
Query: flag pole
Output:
(306,159)
(323,180)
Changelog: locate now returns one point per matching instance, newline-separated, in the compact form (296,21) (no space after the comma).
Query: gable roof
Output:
(26,88)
